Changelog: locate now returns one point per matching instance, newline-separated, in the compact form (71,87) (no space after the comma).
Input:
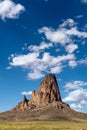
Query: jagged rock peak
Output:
(48,91)
(48,94)
(25,99)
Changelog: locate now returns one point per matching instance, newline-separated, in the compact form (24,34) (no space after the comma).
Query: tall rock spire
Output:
(48,91)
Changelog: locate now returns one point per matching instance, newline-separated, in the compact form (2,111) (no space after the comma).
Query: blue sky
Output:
(38,37)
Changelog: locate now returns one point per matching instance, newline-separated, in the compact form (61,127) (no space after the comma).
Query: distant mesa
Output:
(45,104)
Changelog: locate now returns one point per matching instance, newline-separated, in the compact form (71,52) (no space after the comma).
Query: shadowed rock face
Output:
(48,91)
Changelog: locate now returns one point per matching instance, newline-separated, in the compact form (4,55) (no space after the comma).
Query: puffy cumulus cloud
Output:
(75,32)
(84,1)
(56,69)
(36,74)
(64,34)
(57,60)
(9,9)
(24,60)
(75,84)
(76,95)
(27,93)
(41,59)
(74,63)
(38,65)
(77,99)
(42,46)
(71,48)
(56,36)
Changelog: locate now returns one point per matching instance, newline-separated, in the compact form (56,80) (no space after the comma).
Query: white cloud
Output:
(75,32)
(76,95)
(9,9)
(75,84)
(56,36)
(83,61)
(83,102)
(35,75)
(24,60)
(84,1)
(37,64)
(63,34)
(69,22)
(72,63)
(39,60)
(27,93)
(76,106)
(56,69)
(42,46)
(71,48)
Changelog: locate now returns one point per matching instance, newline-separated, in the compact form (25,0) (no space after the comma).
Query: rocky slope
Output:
(45,104)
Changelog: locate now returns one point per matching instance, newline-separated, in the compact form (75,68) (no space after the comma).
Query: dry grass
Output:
(43,125)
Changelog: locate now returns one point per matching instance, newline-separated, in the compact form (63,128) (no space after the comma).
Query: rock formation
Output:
(48,91)
(45,104)
(47,94)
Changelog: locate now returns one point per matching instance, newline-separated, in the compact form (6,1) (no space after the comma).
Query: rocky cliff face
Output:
(48,91)
(47,94)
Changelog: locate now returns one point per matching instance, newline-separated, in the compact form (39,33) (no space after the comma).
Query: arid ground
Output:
(44,125)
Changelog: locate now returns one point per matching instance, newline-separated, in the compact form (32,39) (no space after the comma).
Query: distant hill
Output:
(45,104)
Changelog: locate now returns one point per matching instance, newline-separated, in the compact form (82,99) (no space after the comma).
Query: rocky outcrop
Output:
(48,91)
(48,94)
(24,104)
